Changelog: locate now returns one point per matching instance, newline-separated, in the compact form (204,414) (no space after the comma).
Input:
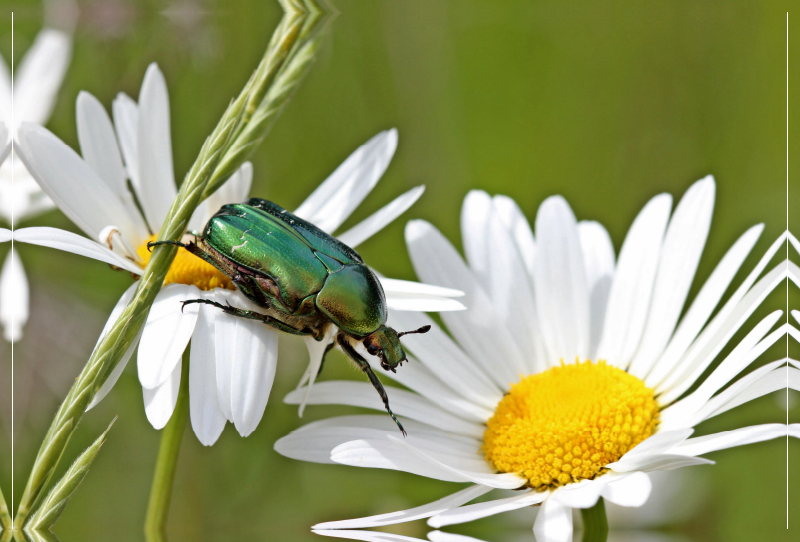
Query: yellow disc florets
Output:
(187,268)
(567,423)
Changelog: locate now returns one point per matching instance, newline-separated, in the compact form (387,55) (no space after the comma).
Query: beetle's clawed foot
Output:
(152,244)
(205,301)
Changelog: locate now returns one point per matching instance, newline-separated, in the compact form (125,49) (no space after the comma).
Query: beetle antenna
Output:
(423,329)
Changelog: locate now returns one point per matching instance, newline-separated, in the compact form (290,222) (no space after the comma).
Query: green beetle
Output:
(305,279)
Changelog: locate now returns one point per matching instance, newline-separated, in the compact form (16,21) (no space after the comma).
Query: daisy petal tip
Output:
(416,229)
(392,137)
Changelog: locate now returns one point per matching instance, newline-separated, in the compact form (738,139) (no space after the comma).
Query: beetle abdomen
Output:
(354,300)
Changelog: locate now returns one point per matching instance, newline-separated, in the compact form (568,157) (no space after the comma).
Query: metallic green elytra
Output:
(303,278)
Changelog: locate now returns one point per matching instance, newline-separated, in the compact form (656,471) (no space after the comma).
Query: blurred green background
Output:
(605,103)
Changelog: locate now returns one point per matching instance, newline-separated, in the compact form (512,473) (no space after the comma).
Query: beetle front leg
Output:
(376,383)
(191,247)
(251,315)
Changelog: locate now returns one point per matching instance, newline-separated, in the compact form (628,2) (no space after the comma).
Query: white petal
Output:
(632,490)
(316,353)
(510,213)
(394,286)
(794,430)
(511,290)
(167,331)
(673,370)
(100,151)
(416,296)
(747,351)
(553,522)
(598,251)
(697,360)
(475,215)
(5,235)
(313,442)
(234,190)
(381,218)
(112,319)
(254,359)
(71,242)
(418,378)
(126,122)
(680,255)
(77,190)
(598,259)
(704,304)
(395,454)
(5,143)
(402,402)
(583,494)
(522,318)
(420,512)
(647,463)
(629,299)
(485,509)
(246,354)
(659,443)
(159,402)
(760,382)
(481,333)
(208,421)
(368,536)
(14,297)
(424,303)
(39,76)
(338,196)
(5,92)
(154,149)
(562,300)
(793,241)
(445,359)
(439,536)
(728,439)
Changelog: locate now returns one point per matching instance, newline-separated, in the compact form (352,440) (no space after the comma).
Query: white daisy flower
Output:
(564,376)
(232,360)
(36,85)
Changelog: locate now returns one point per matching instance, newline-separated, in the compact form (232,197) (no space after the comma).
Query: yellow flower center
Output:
(187,268)
(567,423)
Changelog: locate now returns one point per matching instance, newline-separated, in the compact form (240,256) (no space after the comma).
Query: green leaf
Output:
(53,505)
(5,517)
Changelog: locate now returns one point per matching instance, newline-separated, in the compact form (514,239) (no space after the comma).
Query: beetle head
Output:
(385,343)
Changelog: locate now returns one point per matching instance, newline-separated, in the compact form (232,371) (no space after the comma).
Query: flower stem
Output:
(595,523)
(164,475)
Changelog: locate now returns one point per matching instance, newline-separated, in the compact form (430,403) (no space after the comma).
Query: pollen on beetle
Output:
(187,268)
(567,423)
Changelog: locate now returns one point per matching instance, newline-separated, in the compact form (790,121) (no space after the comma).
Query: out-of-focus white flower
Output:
(232,360)
(512,400)
(36,84)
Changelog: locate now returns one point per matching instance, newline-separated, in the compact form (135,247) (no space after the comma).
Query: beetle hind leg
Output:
(251,315)
(376,383)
